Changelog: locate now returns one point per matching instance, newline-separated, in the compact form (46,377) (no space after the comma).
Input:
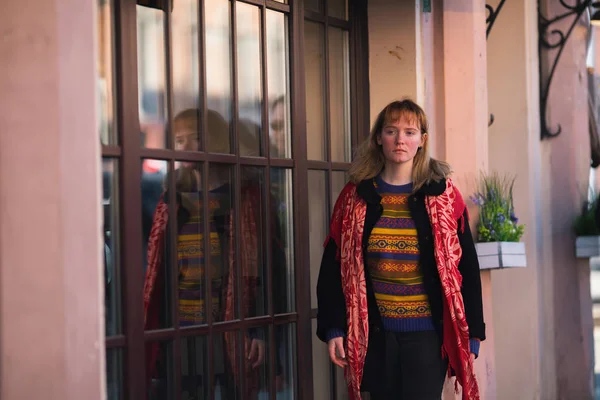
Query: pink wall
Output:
(50,294)
(465,144)
(565,169)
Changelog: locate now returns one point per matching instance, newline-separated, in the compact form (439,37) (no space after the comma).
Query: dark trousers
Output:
(414,368)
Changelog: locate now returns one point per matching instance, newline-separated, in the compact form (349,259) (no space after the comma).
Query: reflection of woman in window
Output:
(191,257)
(399,291)
(278,132)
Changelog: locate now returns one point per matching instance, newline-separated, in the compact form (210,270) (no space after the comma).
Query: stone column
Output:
(565,161)
(514,148)
(51,326)
(464,109)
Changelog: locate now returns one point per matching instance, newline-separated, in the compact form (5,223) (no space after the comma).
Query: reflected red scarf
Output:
(347,226)
(153,284)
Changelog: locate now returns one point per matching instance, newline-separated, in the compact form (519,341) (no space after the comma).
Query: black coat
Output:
(330,296)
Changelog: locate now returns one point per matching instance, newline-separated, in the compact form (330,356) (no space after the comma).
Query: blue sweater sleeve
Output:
(474,346)
(335,333)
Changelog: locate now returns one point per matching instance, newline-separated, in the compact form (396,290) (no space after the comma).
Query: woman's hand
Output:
(336,352)
(257,352)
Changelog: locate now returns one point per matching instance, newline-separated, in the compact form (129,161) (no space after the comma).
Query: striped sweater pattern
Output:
(393,262)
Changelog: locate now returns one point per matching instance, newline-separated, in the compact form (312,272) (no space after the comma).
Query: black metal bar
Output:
(258,3)
(277,6)
(326,89)
(207,270)
(130,188)
(267,193)
(202,96)
(492,15)
(545,44)
(223,326)
(237,194)
(111,151)
(193,156)
(314,16)
(339,23)
(303,366)
(172,262)
(115,341)
(208,307)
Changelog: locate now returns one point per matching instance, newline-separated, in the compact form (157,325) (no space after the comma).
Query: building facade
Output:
(119,114)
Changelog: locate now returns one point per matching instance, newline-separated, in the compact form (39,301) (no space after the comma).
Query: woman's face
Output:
(278,129)
(400,140)
(186,139)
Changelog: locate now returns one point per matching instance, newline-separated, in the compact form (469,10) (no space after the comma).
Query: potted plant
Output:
(498,229)
(586,228)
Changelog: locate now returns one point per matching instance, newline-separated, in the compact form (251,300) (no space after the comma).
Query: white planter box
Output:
(498,255)
(587,246)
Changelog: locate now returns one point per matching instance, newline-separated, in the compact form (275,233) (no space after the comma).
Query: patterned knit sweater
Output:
(393,263)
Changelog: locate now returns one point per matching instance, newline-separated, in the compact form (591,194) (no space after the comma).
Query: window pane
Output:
(222,243)
(194,368)
(151,76)
(282,240)
(314,62)
(160,371)
(338,8)
(114,374)
(286,359)
(321,368)
(217,22)
(249,79)
(226,360)
(112,269)
(278,82)
(313,5)
(338,181)
(340,384)
(185,56)
(339,94)
(252,242)
(317,226)
(257,364)
(156,245)
(106,82)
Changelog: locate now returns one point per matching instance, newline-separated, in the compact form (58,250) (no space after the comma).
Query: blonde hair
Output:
(218,140)
(369,160)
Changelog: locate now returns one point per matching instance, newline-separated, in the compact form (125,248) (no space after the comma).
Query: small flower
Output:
(478,199)
(492,232)
(501,218)
(513,218)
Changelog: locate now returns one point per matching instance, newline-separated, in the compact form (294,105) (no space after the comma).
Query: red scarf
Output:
(346,229)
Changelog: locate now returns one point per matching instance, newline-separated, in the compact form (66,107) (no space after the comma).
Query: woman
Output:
(190,256)
(391,305)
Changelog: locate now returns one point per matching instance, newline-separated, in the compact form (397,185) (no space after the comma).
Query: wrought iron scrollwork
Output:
(550,39)
(489,20)
(492,15)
